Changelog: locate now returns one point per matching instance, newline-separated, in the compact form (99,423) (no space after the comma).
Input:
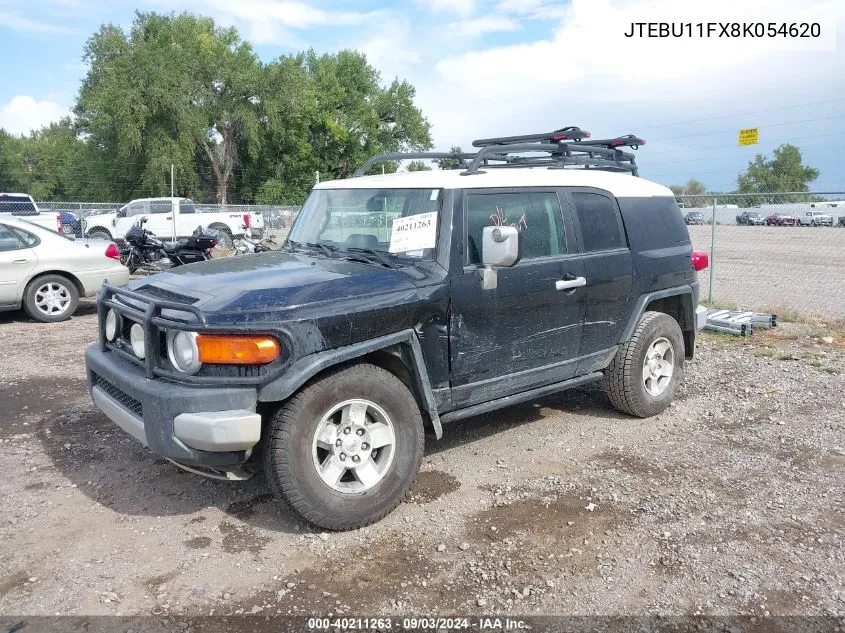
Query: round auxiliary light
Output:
(112,325)
(136,340)
(183,352)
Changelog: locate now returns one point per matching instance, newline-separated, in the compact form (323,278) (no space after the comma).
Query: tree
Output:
(692,188)
(329,114)
(176,89)
(418,165)
(448,163)
(784,172)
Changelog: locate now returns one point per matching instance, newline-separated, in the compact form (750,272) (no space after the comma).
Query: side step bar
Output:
(516,398)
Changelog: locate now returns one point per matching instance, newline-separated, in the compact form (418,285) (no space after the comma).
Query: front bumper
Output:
(213,427)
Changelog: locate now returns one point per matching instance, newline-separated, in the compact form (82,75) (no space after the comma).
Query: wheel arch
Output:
(98,229)
(679,303)
(398,353)
(80,289)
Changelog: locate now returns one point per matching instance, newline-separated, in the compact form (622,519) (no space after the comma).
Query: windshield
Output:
(397,221)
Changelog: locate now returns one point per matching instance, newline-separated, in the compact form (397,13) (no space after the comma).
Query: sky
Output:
(501,67)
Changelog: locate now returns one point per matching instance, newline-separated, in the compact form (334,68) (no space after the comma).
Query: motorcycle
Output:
(144,250)
(248,244)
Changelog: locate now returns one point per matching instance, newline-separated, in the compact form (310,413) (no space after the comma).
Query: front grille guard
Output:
(153,322)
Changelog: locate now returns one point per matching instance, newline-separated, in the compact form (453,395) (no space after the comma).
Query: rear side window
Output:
(601,229)
(17,205)
(536,215)
(161,206)
(9,241)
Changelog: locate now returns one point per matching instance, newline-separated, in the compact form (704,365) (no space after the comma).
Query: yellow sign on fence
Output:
(749,136)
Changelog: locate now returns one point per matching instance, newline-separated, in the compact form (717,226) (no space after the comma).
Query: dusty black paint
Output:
(467,349)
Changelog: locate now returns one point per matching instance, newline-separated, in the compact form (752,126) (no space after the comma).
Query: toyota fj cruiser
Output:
(403,302)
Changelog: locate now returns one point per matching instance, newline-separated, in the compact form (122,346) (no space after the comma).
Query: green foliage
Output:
(692,188)
(179,89)
(448,163)
(418,165)
(783,172)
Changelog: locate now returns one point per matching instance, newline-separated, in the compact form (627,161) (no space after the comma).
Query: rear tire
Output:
(339,479)
(225,240)
(645,373)
(51,298)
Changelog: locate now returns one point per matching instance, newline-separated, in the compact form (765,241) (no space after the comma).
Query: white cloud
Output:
(463,8)
(391,50)
(486,24)
(585,72)
(273,21)
(27,25)
(24,114)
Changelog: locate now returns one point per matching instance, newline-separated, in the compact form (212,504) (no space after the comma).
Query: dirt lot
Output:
(777,268)
(733,501)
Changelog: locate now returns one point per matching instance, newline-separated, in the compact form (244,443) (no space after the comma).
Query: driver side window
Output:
(536,215)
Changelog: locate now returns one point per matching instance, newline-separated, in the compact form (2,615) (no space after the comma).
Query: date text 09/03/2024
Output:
(724,29)
(417,624)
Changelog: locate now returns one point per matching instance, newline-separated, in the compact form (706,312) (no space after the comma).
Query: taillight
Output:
(247,220)
(59,223)
(112,251)
(700,260)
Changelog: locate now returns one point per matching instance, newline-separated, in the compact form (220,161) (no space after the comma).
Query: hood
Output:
(270,282)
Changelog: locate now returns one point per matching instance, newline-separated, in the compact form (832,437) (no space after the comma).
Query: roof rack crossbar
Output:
(406,156)
(571,133)
(559,155)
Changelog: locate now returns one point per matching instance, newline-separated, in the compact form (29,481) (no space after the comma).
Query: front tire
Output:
(344,451)
(51,298)
(644,375)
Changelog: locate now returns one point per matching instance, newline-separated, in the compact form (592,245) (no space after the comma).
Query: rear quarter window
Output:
(17,205)
(599,221)
(653,222)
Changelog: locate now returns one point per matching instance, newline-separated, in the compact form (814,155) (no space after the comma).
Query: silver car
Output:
(45,272)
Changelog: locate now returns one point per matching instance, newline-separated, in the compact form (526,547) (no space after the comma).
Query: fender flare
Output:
(643,301)
(302,370)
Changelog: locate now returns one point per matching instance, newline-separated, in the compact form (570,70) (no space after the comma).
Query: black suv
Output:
(401,303)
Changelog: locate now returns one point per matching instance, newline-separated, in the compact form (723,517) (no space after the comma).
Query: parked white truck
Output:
(163,214)
(22,205)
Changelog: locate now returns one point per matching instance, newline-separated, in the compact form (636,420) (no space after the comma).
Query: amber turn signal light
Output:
(237,350)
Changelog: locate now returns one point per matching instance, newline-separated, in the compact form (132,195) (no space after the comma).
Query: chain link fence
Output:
(782,253)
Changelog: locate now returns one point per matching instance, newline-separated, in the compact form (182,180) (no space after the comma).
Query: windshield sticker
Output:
(434,194)
(415,232)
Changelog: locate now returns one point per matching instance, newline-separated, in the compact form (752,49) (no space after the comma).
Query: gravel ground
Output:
(777,268)
(731,502)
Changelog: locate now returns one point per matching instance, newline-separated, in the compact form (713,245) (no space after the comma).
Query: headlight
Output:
(182,351)
(113,322)
(136,340)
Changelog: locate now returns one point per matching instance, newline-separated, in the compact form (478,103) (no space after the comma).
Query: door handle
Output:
(570,284)
(19,261)
(168,218)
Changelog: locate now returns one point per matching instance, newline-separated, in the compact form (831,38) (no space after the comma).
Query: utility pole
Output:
(317,176)
(171,180)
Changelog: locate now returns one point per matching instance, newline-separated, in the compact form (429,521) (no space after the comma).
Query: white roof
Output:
(619,184)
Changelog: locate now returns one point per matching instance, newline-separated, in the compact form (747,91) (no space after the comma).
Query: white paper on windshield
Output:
(414,232)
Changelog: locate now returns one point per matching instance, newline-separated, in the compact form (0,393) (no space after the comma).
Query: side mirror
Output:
(500,246)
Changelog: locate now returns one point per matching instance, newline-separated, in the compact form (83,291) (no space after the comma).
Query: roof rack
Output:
(559,149)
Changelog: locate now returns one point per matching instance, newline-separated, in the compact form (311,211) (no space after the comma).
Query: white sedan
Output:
(46,273)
